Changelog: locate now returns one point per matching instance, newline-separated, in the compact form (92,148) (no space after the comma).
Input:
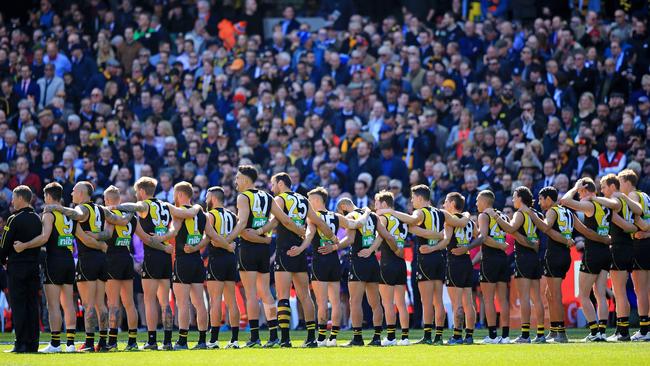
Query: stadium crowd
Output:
(457,97)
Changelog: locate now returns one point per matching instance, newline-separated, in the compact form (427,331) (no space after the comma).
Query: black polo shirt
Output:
(24,225)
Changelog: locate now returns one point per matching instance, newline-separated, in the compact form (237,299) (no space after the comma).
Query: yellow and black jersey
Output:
(224,222)
(94,224)
(157,220)
(644,201)
(365,235)
(296,207)
(528,230)
(462,237)
(600,222)
(564,225)
(619,236)
(120,242)
(320,239)
(434,220)
(61,240)
(398,230)
(190,233)
(259,203)
(496,233)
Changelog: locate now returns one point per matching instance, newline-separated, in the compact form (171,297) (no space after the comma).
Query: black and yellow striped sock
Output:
(103,337)
(623,325)
(390,332)
(322,332)
(273,330)
(357,336)
(182,337)
(284,319)
(593,328)
(255,329)
(133,336)
(602,326)
(69,335)
(525,330)
(214,334)
(540,330)
(644,324)
(438,336)
(405,333)
(334,332)
(234,331)
(311,330)
(560,328)
(469,333)
(112,336)
(55,338)
(377,335)
(427,331)
(458,333)
(90,339)
(553,328)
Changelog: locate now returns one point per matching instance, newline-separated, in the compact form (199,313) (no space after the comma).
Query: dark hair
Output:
(54,190)
(218,192)
(365,185)
(588,183)
(249,171)
(282,177)
(387,197)
(548,192)
(320,192)
(421,190)
(610,179)
(23,192)
(457,199)
(525,195)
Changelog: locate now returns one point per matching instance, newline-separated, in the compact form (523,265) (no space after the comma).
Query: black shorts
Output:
(326,268)
(556,264)
(527,265)
(641,255)
(392,273)
(622,257)
(286,263)
(431,267)
(459,272)
(222,268)
(92,266)
(254,258)
(120,267)
(495,269)
(157,265)
(595,258)
(59,271)
(364,269)
(188,269)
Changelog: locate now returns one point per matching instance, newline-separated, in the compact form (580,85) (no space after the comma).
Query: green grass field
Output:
(574,353)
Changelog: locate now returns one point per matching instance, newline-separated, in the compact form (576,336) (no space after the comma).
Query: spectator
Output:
(49,86)
(24,176)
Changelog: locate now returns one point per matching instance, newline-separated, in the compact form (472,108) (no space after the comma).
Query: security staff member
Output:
(22,268)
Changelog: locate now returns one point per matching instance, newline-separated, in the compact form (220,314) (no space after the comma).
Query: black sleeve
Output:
(8,233)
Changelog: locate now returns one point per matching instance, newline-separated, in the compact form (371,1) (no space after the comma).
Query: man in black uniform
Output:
(153,228)
(528,269)
(427,224)
(558,225)
(459,271)
(58,236)
(392,272)
(91,273)
(290,257)
(596,257)
(254,208)
(222,269)
(120,273)
(326,265)
(22,270)
(364,269)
